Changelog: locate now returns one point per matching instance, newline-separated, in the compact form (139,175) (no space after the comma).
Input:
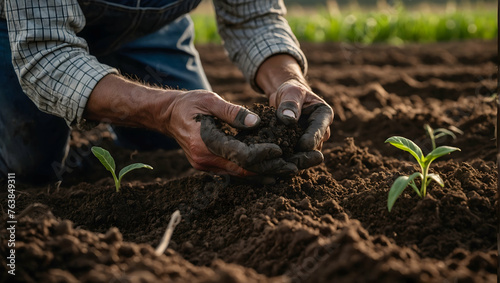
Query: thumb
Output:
(290,98)
(235,115)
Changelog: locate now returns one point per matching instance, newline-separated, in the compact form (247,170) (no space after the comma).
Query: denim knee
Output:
(32,143)
(34,151)
(30,140)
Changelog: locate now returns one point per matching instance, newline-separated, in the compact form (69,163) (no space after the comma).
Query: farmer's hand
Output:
(281,78)
(293,99)
(191,123)
(122,102)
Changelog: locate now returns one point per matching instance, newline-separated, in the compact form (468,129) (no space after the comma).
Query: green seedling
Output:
(109,163)
(424,161)
(435,134)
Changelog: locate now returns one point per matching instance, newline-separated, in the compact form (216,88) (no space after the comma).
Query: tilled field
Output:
(326,224)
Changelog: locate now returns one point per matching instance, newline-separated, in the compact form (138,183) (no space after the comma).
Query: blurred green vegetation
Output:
(367,3)
(394,25)
(396,28)
(205,28)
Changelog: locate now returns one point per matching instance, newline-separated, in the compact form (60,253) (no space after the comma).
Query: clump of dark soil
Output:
(272,130)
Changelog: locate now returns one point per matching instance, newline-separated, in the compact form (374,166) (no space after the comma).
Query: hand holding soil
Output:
(271,147)
(294,98)
(205,149)
(299,127)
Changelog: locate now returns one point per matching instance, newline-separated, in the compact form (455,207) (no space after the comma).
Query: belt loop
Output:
(138,3)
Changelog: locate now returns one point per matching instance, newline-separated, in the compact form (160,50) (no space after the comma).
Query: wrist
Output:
(122,102)
(276,70)
(157,111)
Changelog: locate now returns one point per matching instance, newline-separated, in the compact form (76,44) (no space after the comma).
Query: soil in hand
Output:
(272,130)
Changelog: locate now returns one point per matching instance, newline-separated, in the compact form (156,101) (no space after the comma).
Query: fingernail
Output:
(251,120)
(289,113)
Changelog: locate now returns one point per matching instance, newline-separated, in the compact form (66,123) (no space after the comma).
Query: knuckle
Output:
(307,143)
(230,110)
(328,110)
(206,97)
(248,158)
(218,106)
(292,94)
(328,107)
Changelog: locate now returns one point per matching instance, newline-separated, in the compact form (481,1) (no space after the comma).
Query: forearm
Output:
(122,102)
(276,70)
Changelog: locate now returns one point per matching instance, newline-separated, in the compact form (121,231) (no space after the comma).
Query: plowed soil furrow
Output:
(328,223)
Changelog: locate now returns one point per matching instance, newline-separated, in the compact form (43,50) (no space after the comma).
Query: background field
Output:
(393,22)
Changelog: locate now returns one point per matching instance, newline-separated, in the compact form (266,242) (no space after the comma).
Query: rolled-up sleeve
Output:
(252,31)
(53,64)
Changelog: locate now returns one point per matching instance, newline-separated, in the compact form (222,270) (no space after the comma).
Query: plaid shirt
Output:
(57,72)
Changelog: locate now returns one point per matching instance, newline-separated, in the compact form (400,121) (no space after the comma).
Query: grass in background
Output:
(394,25)
(205,27)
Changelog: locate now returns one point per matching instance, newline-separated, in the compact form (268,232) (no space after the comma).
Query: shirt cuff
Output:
(262,47)
(91,75)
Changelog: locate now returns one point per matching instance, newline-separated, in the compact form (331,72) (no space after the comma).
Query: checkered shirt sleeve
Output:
(252,31)
(53,64)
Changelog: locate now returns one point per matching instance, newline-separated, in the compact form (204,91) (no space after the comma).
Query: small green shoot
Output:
(109,163)
(435,134)
(424,161)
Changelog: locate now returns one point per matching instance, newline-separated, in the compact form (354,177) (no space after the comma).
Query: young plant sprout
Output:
(435,134)
(109,163)
(424,161)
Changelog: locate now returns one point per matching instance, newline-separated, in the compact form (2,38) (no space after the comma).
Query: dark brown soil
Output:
(326,224)
(272,130)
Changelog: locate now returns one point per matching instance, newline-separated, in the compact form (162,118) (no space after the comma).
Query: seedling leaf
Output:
(399,186)
(436,178)
(407,145)
(131,167)
(414,187)
(109,163)
(438,152)
(443,132)
(429,130)
(105,157)
(456,130)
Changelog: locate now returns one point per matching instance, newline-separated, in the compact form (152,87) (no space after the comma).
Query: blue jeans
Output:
(34,144)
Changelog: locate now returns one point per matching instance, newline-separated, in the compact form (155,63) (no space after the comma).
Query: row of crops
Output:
(395,26)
